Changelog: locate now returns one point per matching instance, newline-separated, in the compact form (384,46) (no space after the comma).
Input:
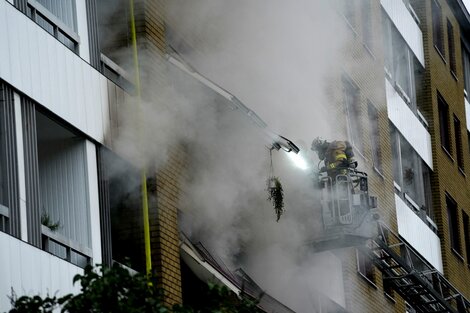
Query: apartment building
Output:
(71,192)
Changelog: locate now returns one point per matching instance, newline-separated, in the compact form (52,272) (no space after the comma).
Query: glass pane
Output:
(45,24)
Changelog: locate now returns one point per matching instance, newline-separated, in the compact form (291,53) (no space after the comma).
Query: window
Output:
(466,232)
(124,204)
(115,42)
(58,18)
(388,290)
(411,174)
(437,29)
(365,266)
(451,46)
(453,220)
(403,69)
(347,9)
(366,23)
(375,136)
(458,143)
(353,112)
(466,70)
(444,124)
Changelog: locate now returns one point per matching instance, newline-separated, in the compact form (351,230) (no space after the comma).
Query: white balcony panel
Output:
(418,234)
(406,25)
(408,124)
(29,271)
(38,65)
(93,201)
(82,29)
(467,113)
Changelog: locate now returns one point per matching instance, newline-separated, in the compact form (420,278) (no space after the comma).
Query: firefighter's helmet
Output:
(318,144)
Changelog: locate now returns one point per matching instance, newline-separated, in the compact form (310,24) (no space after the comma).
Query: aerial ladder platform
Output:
(350,219)
(421,285)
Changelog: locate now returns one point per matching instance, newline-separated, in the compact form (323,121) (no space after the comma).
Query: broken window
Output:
(352,106)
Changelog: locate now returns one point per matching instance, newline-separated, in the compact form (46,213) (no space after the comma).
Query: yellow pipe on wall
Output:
(145,206)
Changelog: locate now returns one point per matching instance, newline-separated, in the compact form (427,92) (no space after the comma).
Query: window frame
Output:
(444,125)
(373,115)
(453,224)
(459,144)
(353,112)
(437,28)
(466,231)
(365,268)
(451,47)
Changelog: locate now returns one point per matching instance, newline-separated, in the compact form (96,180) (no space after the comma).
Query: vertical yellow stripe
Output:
(145,206)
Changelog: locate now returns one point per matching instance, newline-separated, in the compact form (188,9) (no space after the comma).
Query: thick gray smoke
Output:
(279,58)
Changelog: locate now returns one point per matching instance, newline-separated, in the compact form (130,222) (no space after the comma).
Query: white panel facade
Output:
(29,270)
(48,72)
(408,124)
(406,25)
(418,234)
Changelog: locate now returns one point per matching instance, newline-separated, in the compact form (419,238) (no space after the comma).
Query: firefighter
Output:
(337,155)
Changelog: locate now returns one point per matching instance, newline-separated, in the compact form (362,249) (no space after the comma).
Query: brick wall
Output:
(446,177)
(364,65)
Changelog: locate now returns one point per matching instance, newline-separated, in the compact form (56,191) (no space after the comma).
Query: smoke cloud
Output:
(280,59)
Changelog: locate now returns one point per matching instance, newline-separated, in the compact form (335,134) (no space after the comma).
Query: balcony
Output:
(405,20)
(412,228)
(29,270)
(408,124)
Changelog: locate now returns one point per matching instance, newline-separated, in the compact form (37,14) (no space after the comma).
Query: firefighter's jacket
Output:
(338,154)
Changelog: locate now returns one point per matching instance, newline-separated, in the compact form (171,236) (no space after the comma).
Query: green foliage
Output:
(276,196)
(46,221)
(115,290)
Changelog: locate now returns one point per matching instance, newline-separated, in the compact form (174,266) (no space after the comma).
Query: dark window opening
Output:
(437,28)
(466,231)
(366,23)
(348,10)
(375,136)
(115,41)
(444,124)
(352,105)
(466,70)
(453,220)
(451,47)
(365,267)
(458,143)
(125,205)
